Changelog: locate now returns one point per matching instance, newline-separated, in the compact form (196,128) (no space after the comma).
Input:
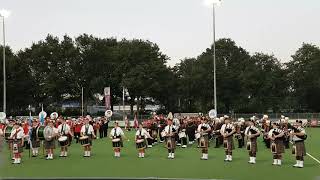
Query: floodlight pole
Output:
(4,64)
(214,59)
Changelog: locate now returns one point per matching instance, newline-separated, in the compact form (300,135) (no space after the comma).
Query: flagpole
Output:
(82,101)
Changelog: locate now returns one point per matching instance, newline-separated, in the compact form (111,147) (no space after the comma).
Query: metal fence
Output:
(308,116)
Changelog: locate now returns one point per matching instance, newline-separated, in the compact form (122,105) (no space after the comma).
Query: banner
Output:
(107,98)
(314,123)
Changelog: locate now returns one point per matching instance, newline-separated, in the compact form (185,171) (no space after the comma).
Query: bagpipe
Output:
(298,130)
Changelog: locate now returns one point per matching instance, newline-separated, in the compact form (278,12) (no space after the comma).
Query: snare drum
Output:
(40,133)
(84,140)
(140,144)
(63,141)
(116,142)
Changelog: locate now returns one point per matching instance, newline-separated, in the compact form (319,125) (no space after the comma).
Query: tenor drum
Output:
(84,140)
(116,140)
(40,133)
(63,141)
(7,132)
(140,143)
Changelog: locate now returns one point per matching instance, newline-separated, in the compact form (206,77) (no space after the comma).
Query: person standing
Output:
(140,139)
(77,129)
(17,135)
(203,129)
(87,130)
(64,131)
(49,142)
(35,142)
(227,131)
(106,126)
(117,137)
(251,134)
(170,133)
(298,135)
(276,135)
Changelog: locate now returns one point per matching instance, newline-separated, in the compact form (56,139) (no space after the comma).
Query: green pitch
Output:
(187,163)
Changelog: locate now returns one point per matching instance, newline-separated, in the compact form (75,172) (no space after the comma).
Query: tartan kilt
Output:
(254,145)
(50,144)
(300,148)
(206,142)
(35,143)
(20,146)
(117,144)
(141,145)
(279,146)
(173,145)
(229,141)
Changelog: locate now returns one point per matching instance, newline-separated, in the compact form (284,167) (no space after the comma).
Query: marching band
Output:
(173,131)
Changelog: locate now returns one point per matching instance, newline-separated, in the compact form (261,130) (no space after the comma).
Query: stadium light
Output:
(4,14)
(213,3)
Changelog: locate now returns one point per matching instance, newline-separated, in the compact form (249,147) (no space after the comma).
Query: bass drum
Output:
(7,132)
(48,133)
(40,132)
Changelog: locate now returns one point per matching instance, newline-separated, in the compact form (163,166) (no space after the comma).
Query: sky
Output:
(181,28)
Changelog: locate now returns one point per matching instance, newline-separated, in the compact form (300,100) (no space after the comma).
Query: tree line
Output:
(53,71)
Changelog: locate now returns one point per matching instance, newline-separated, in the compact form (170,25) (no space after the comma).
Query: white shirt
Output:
(20,134)
(90,129)
(143,133)
(226,126)
(116,130)
(296,138)
(66,129)
(169,129)
(247,131)
(203,125)
(274,129)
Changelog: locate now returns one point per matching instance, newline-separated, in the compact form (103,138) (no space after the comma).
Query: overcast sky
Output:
(181,28)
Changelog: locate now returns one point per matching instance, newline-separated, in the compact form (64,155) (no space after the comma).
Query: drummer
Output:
(10,127)
(64,131)
(17,136)
(35,142)
(117,135)
(87,131)
(140,139)
(49,142)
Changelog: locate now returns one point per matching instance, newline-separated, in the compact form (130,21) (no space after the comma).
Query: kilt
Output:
(254,145)
(117,144)
(141,145)
(19,144)
(173,142)
(300,148)
(205,141)
(26,144)
(35,143)
(228,143)
(279,146)
(50,144)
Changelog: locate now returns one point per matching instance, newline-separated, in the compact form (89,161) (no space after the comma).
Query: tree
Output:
(304,74)
(19,84)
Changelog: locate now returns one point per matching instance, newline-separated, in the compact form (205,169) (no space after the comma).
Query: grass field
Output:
(187,163)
